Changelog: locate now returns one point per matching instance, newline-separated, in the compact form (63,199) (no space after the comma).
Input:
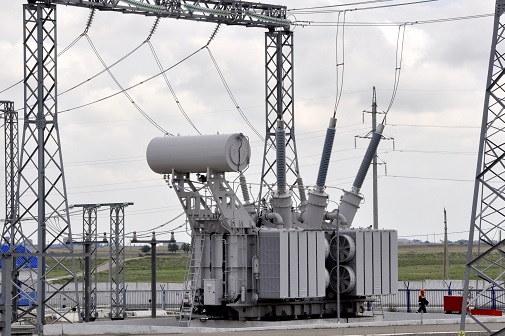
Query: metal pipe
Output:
(274,216)
(153,276)
(87,277)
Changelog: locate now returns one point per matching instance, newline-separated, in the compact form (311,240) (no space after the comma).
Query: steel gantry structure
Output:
(41,197)
(486,246)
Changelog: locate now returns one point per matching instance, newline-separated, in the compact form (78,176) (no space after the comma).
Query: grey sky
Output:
(435,118)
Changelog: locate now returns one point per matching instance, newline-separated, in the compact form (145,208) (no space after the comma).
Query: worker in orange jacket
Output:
(422,302)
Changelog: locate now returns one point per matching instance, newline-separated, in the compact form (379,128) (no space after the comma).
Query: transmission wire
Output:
(398,66)
(232,97)
(90,18)
(339,5)
(154,123)
(339,89)
(104,70)
(159,226)
(389,24)
(171,89)
(329,11)
(134,85)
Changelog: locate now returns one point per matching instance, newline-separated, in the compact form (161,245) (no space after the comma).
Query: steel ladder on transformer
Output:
(192,279)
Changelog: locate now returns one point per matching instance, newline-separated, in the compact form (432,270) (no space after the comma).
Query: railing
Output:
(406,300)
(135,299)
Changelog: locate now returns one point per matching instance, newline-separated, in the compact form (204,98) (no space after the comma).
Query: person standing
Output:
(422,302)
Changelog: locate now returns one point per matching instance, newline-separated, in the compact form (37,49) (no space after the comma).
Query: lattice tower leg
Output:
(41,199)
(11,183)
(116,263)
(485,255)
(279,79)
(7,309)
(90,236)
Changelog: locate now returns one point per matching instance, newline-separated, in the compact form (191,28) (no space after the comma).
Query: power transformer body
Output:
(271,260)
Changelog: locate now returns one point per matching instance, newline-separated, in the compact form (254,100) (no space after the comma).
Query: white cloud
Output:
(443,74)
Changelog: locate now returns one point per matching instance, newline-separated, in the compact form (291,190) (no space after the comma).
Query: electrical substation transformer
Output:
(270,260)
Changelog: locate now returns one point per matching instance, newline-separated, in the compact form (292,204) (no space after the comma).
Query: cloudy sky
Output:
(434,119)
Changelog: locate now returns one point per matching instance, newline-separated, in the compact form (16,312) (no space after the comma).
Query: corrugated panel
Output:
(269,265)
(321,273)
(359,263)
(217,256)
(293,264)
(377,267)
(284,267)
(393,241)
(312,250)
(368,273)
(302,261)
(386,259)
(21,260)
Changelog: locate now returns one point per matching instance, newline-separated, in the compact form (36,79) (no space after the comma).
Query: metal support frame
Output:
(231,12)
(41,198)
(117,260)
(279,79)
(11,165)
(40,210)
(89,242)
(9,306)
(486,253)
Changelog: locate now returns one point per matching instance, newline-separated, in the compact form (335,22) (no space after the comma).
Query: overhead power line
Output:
(158,62)
(328,10)
(134,85)
(151,120)
(340,5)
(251,126)
(400,41)
(339,88)
(389,24)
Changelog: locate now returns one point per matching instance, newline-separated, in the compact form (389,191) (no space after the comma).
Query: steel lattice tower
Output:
(485,256)
(11,163)
(41,199)
(9,309)
(89,268)
(116,261)
(279,81)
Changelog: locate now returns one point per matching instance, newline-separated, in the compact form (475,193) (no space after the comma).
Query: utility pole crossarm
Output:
(230,12)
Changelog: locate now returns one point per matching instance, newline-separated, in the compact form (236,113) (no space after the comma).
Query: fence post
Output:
(125,305)
(163,297)
(408,296)
(493,298)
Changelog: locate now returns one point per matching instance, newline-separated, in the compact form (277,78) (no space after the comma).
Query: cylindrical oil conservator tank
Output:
(194,154)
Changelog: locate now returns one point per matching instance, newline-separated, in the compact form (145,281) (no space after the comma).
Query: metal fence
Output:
(135,299)
(406,300)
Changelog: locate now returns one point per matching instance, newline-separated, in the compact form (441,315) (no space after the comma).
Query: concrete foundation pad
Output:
(169,325)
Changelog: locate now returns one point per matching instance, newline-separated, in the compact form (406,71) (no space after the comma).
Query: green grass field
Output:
(415,263)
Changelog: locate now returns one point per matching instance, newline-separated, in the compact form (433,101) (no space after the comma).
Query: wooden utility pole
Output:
(446,255)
